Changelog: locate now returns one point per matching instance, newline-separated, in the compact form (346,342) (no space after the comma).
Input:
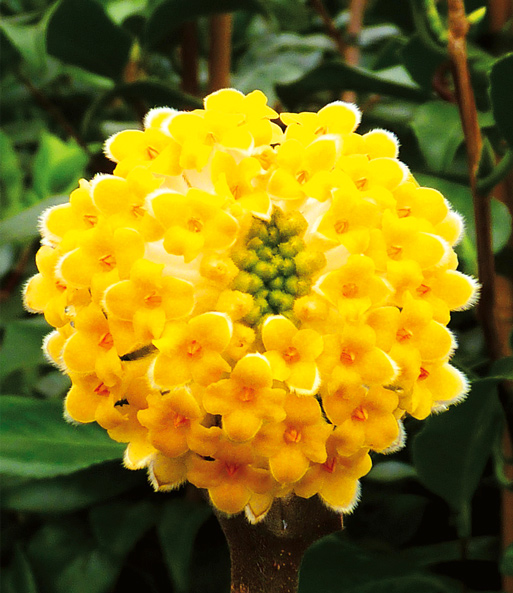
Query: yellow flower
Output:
(252,305)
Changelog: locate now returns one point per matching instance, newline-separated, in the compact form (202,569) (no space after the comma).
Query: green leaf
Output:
(507,561)
(503,369)
(65,494)
(334,564)
(338,76)
(65,557)
(452,449)
(28,41)
(22,345)
(57,166)
(501,93)
(35,440)
(168,16)
(79,32)
(177,529)
(11,178)
(152,91)
(118,525)
(274,58)
(20,578)
(23,226)
(421,62)
(391,471)
(438,130)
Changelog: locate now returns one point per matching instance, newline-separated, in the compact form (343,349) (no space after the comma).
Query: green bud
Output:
(290,285)
(273,236)
(292,225)
(303,287)
(280,301)
(246,282)
(309,262)
(276,283)
(244,259)
(265,270)
(265,253)
(291,247)
(286,267)
(255,243)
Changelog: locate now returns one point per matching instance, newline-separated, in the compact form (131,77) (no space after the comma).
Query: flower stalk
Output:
(265,558)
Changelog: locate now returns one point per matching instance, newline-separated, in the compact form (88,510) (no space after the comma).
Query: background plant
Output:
(74,72)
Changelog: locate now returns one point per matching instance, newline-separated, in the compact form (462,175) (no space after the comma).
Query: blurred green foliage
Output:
(74,72)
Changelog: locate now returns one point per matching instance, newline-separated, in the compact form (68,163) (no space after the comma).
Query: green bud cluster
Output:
(275,266)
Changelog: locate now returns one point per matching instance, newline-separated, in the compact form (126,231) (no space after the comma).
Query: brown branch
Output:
(219,58)
(330,26)
(189,55)
(265,558)
(458,28)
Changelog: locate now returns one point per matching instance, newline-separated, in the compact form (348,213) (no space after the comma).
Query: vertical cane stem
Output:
(219,58)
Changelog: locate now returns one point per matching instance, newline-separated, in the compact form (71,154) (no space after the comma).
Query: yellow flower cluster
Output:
(253,302)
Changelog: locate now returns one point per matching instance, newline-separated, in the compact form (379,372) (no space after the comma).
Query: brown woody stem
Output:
(265,558)
(219,57)
(189,56)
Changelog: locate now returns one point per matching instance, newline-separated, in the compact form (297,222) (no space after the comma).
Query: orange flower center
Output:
(138,211)
(340,226)
(394,251)
(108,261)
(152,152)
(361,183)
(194,225)
(360,414)
(350,290)
(347,356)
(329,465)
(423,289)
(106,341)
(291,354)
(231,468)
(153,299)
(194,349)
(247,394)
(180,420)
(102,389)
(292,435)
(302,176)
(403,212)
(91,219)
(423,374)
(403,335)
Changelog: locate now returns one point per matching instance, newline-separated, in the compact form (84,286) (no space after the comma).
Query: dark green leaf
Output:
(35,440)
(421,62)
(22,336)
(65,557)
(438,130)
(485,548)
(79,32)
(334,565)
(11,178)
(503,369)
(451,451)
(152,92)
(177,530)
(507,561)
(118,525)
(23,226)
(501,92)
(166,19)
(337,77)
(20,578)
(57,166)
(64,494)
(29,42)
(391,471)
